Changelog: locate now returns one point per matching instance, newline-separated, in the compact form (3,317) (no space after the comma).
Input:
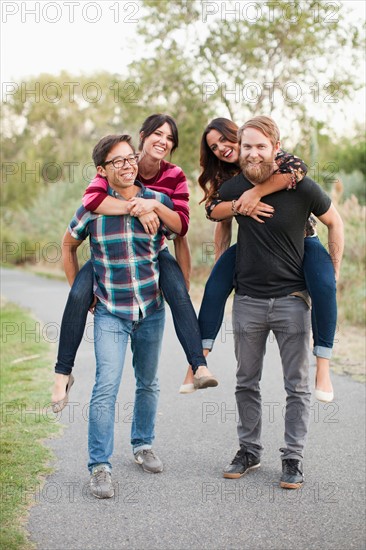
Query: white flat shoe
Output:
(187,388)
(325,396)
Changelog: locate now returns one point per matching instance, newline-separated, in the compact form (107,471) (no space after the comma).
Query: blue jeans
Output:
(217,290)
(320,282)
(175,293)
(111,334)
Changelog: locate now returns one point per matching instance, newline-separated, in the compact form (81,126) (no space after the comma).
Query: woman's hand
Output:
(262,209)
(248,201)
(150,222)
(93,304)
(142,206)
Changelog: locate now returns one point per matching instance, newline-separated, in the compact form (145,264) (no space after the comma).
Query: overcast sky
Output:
(84,36)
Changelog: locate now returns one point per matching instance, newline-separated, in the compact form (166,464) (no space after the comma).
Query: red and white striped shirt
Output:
(170,180)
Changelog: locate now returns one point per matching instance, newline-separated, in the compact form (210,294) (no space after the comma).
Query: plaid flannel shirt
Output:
(124,257)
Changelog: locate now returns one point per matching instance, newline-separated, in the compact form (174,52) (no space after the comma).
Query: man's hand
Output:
(93,304)
(150,222)
(142,206)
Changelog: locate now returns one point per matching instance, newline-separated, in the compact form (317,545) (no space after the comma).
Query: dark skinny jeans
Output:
(175,293)
(320,282)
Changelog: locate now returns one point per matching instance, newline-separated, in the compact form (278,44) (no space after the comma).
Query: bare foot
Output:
(59,387)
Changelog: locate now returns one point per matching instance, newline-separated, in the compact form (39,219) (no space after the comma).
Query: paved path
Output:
(189,505)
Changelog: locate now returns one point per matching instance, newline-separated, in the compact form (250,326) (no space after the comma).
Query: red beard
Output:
(257,173)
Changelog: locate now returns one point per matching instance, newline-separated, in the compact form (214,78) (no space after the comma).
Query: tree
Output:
(50,125)
(247,58)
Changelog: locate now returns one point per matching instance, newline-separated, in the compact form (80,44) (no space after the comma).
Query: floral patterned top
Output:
(287,164)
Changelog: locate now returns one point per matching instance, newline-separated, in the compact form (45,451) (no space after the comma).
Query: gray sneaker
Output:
(149,461)
(101,482)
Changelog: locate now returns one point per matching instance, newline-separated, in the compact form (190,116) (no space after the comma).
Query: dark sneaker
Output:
(242,463)
(292,475)
(149,461)
(101,482)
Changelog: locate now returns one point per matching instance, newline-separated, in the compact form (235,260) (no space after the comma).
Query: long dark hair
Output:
(214,171)
(152,123)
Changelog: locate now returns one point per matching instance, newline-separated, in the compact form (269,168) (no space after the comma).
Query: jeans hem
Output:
(105,464)
(321,351)
(207,343)
(287,453)
(138,448)
(59,370)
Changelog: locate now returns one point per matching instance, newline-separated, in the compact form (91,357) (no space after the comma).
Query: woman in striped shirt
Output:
(158,139)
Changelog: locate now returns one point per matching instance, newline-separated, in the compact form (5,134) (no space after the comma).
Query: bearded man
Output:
(270,294)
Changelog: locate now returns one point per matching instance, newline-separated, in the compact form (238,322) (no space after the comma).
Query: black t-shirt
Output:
(269,256)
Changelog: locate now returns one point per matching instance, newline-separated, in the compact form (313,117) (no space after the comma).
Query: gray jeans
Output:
(289,319)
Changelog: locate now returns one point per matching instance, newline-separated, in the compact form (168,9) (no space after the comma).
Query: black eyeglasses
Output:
(120,162)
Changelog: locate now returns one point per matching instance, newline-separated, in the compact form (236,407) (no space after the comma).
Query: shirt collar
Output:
(116,195)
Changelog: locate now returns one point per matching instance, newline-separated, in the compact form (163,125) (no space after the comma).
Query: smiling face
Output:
(159,144)
(222,148)
(119,178)
(257,155)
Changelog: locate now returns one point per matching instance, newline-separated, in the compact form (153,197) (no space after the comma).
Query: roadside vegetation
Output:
(26,420)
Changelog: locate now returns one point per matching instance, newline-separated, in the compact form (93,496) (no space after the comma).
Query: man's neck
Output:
(128,192)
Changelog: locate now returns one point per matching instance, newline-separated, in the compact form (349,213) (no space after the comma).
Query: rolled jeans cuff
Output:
(106,466)
(207,344)
(321,351)
(141,448)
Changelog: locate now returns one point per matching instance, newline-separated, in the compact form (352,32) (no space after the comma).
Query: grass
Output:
(25,421)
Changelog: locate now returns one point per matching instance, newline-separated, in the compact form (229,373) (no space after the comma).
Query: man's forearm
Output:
(334,223)
(223,232)
(69,258)
(183,256)
(336,246)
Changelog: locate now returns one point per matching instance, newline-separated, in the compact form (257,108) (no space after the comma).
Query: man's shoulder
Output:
(148,193)
(82,212)
(309,185)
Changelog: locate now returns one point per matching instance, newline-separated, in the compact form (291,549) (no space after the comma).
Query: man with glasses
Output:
(129,305)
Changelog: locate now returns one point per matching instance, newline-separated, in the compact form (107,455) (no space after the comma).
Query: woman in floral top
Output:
(219,162)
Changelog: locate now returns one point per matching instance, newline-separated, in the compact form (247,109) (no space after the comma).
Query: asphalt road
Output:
(190,505)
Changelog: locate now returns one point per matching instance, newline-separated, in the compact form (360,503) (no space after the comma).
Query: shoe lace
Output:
(292,466)
(101,475)
(149,452)
(240,456)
